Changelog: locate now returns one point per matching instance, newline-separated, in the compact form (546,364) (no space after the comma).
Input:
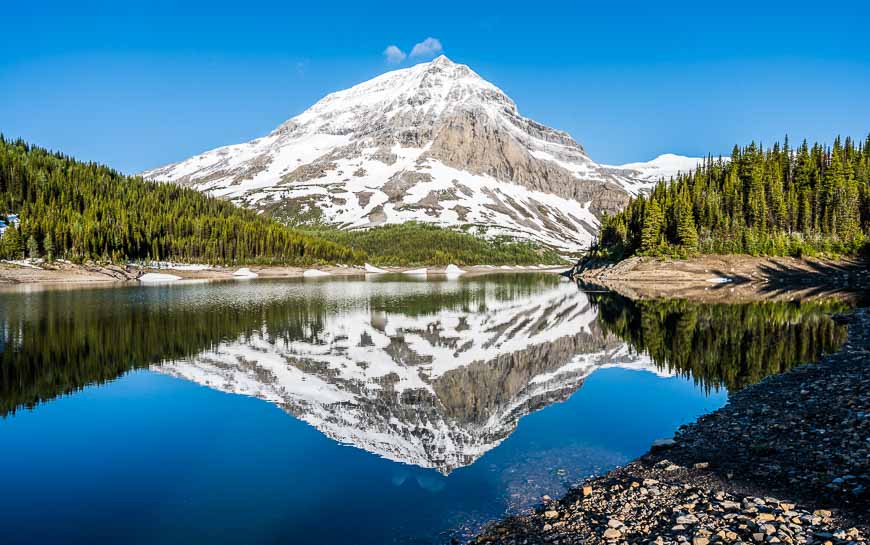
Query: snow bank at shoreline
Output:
(158,277)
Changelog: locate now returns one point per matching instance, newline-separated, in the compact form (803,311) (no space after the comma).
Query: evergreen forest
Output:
(81,211)
(812,200)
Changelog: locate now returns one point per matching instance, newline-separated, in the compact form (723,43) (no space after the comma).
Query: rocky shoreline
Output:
(787,460)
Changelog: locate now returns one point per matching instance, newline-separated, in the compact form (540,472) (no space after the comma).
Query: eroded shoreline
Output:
(67,274)
(729,278)
(787,460)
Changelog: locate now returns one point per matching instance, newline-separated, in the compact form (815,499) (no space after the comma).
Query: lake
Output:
(368,411)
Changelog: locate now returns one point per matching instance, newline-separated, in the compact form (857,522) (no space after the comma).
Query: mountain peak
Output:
(664,166)
(442,64)
(420,95)
(432,142)
(442,59)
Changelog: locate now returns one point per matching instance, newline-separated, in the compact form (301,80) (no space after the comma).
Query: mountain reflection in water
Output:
(434,388)
(433,374)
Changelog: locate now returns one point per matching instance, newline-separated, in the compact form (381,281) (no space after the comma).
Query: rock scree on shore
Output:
(787,460)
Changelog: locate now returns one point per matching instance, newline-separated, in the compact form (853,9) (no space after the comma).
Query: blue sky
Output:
(139,85)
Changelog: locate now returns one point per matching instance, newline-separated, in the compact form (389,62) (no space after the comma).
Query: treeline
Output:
(86,211)
(722,345)
(414,243)
(779,201)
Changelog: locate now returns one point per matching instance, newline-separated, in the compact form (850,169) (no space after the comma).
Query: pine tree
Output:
(687,234)
(32,247)
(756,202)
(806,215)
(650,235)
(832,193)
(48,246)
(11,244)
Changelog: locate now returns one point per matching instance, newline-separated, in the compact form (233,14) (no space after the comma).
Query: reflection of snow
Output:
(435,390)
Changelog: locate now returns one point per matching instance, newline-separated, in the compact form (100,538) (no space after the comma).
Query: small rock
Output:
(663,444)
(612,533)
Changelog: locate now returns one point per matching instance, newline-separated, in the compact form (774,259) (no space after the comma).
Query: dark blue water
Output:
(329,412)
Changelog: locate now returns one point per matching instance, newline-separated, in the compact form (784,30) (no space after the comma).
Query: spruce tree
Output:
(652,227)
(48,246)
(11,244)
(32,247)
(687,234)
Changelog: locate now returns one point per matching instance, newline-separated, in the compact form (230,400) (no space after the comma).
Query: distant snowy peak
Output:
(664,166)
(435,143)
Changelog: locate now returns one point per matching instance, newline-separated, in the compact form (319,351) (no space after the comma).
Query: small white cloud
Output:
(301,67)
(427,48)
(394,55)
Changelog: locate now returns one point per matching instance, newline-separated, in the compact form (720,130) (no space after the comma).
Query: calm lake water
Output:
(387,410)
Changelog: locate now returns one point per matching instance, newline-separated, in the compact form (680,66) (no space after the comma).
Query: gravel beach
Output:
(787,460)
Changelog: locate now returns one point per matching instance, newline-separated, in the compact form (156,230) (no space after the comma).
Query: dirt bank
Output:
(728,278)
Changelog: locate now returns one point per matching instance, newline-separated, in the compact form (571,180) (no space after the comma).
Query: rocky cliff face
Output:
(434,143)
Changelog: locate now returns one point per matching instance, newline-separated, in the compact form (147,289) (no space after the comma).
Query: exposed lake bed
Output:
(729,278)
(467,400)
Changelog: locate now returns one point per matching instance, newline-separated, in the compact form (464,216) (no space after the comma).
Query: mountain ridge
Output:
(434,142)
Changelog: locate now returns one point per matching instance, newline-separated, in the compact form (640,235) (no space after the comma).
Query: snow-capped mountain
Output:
(664,167)
(436,389)
(434,142)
